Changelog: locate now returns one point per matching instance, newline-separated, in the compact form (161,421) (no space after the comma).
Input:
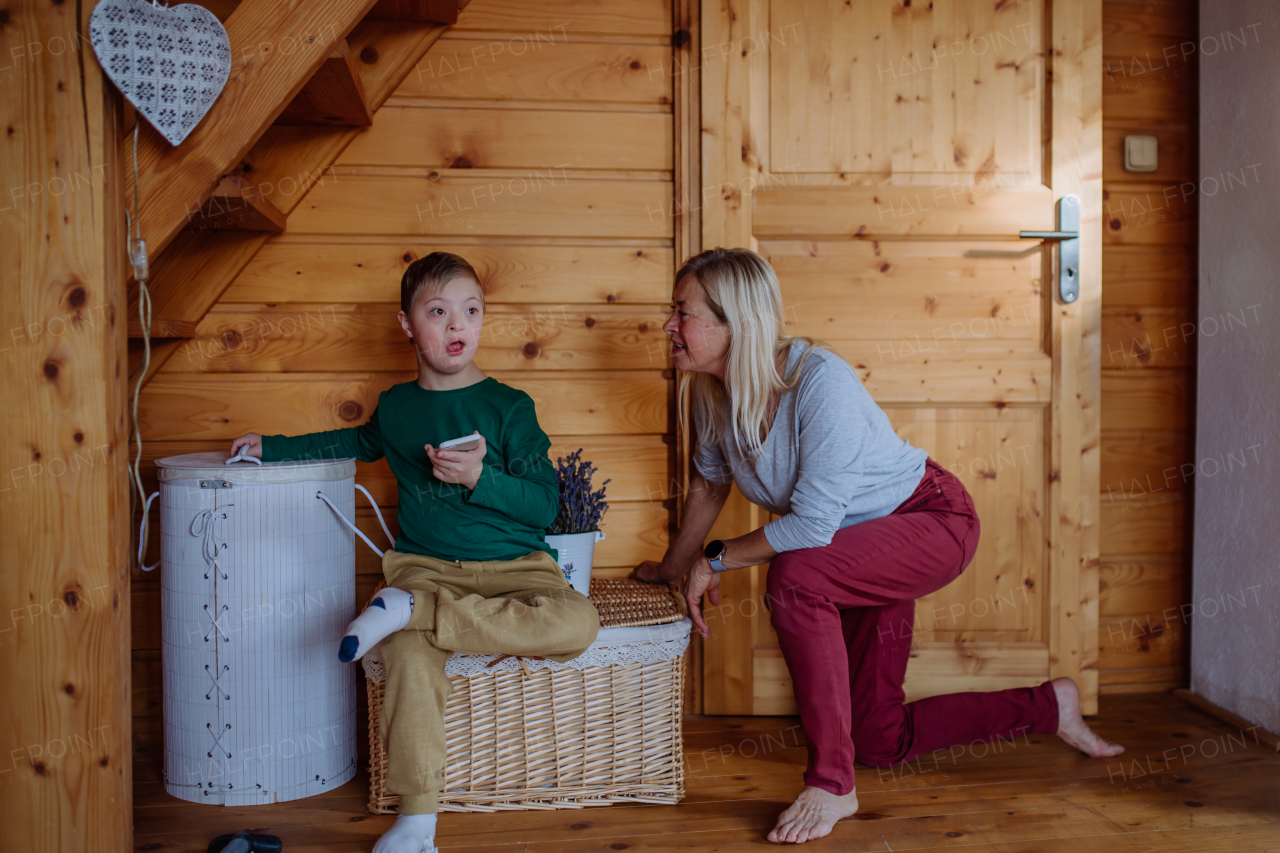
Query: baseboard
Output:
(1130,687)
(1227,717)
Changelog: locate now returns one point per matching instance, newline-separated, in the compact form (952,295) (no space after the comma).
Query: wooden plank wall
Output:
(535,140)
(1148,345)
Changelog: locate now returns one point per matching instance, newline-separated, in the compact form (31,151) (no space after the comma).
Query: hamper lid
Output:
(212,464)
(626,602)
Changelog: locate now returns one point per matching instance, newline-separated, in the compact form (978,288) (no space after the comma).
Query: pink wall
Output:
(1235,625)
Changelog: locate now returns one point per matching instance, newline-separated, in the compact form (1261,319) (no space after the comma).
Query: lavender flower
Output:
(580,508)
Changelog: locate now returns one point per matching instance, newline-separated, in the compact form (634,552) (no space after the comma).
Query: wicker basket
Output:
(545,735)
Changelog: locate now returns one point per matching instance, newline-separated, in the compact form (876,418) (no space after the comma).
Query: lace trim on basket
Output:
(613,647)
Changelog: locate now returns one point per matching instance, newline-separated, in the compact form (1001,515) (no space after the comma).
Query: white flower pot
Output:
(576,552)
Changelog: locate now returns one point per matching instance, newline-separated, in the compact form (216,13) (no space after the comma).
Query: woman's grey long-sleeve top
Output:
(831,458)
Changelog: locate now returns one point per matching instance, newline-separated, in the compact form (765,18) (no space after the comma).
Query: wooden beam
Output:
(162,329)
(221,9)
(64,529)
(162,349)
(388,52)
(178,298)
(334,97)
(237,206)
(286,162)
(275,50)
(415,11)
(289,160)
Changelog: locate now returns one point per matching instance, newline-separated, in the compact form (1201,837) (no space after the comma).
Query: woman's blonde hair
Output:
(742,290)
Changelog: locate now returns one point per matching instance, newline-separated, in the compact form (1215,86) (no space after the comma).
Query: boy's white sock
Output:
(411,833)
(387,613)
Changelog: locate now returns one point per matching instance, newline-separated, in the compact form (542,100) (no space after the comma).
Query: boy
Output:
(471,571)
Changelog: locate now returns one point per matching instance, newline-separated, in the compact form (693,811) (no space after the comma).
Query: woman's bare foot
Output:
(813,815)
(1072,727)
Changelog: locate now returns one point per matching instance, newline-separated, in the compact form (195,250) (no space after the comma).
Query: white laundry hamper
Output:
(258,586)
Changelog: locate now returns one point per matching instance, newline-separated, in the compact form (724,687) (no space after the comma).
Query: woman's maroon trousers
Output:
(844,614)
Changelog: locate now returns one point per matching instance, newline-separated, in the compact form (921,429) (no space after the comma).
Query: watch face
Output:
(714,549)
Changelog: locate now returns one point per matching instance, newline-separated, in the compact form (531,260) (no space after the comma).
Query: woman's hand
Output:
(463,467)
(702,578)
(254,442)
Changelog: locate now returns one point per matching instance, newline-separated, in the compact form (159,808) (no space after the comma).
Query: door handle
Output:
(1068,240)
(1046,235)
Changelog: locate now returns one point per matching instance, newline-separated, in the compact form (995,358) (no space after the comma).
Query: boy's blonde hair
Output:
(742,290)
(431,274)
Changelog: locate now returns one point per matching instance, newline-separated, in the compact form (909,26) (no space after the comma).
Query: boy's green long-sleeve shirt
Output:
(514,500)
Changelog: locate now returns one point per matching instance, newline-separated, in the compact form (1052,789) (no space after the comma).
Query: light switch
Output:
(1140,154)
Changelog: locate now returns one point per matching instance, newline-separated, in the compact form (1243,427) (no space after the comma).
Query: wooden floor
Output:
(1186,783)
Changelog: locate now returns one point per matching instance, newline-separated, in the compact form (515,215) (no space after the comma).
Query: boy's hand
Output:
(250,438)
(458,466)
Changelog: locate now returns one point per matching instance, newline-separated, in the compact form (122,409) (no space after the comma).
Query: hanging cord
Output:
(378,512)
(136,249)
(142,540)
(356,530)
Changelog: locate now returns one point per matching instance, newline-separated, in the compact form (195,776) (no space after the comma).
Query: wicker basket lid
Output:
(192,466)
(625,602)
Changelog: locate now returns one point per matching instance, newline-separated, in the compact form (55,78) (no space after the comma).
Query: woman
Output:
(868,523)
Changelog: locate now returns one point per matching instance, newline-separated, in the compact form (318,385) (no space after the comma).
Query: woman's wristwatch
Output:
(714,552)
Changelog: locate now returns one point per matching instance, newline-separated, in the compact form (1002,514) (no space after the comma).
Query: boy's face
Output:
(445,327)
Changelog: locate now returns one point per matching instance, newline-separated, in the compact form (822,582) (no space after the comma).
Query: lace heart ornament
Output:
(171,64)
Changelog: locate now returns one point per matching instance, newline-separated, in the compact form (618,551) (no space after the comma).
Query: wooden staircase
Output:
(306,78)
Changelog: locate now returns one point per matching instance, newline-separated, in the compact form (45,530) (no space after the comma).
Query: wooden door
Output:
(884,155)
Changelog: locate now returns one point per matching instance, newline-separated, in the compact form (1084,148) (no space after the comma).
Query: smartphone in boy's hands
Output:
(465,471)
(466,442)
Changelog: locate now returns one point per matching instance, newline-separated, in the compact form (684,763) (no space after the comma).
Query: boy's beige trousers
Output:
(523,606)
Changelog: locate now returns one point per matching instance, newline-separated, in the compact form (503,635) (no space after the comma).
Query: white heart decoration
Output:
(170,63)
